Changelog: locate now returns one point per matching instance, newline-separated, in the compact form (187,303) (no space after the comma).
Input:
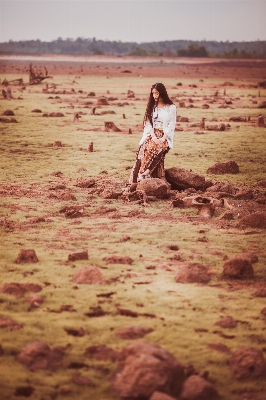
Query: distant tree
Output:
(138,52)
(193,50)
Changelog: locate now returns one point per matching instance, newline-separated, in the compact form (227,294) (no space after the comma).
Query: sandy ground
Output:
(137,66)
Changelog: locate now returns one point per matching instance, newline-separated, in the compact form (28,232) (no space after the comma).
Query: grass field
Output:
(183,314)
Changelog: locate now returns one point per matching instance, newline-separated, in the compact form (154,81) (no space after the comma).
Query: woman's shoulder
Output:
(171,106)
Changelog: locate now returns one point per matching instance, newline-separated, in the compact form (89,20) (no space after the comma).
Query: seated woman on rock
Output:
(158,133)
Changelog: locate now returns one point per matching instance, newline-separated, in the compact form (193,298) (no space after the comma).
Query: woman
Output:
(159,126)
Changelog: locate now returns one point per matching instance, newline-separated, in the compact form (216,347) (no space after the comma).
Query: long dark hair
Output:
(151,102)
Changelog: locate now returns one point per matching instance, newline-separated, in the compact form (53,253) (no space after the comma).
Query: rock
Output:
(238,268)
(27,256)
(259,292)
(57,143)
(34,300)
(254,220)
(197,388)
(263,311)
(133,332)
(260,121)
(8,120)
(19,289)
(31,287)
(227,215)
(227,167)
(251,257)
(192,273)
(244,195)
(153,187)
(237,119)
(262,104)
(161,396)
(114,259)
(9,323)
(247,363)
(85,183)
(102,101)
(182,179)
(89,275)
(82,255)
(226,322)
(8,113)
(56,114)
(37,355)
(101,352)
(111,127)
(110,194)
(144,368)
(82,380)
(36,110)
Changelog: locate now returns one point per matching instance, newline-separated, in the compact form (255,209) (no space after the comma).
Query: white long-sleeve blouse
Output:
(167,115)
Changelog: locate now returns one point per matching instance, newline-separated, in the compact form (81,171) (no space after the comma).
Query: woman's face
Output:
(155,94)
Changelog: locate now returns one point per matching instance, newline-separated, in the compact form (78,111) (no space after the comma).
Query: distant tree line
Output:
(174,48)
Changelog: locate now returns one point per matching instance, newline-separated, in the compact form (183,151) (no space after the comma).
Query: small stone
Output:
(247,363)
(27,256)
(82,255)
(226,322)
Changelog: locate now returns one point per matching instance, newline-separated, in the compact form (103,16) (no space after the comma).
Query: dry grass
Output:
(185,313)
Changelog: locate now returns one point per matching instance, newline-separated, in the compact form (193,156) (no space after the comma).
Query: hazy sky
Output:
(133,20)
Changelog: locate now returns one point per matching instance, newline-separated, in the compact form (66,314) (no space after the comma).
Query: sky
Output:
(133,20)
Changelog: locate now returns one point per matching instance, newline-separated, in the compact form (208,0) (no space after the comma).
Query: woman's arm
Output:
(169,130)
(147,131)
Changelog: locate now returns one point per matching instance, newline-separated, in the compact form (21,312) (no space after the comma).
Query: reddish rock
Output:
(238,268)
(25,391)
(13,289)
(153,187)
(145,368)
(114,259)
(227,215)
(182,179)
(255,220)
(85,183)
(56,114)
(89,275)
(244,195)
(247,363)
(263,312)
(227,167)
(31,287)
(75,332)
(82,380)
(34,300)
(219,347)
(38,355)
(82,255)
(197,388)
(161,396)
(133,332)
(9,323)
(102,101)
(260,292)
(57,143)
(251,257)
(226,322)
(192,273)
(27,256)
(101,352)
(8,113)
(36,110)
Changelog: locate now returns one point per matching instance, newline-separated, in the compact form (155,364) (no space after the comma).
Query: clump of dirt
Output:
(89,275)
(133,332)
(192,273)
(227,167)
(247,363)
(27,256)
(38,355)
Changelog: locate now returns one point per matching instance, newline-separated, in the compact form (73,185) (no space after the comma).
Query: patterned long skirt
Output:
(150,156)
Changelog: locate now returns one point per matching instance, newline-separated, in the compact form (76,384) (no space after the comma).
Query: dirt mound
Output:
(19,289)
(9,323)
(238,268)
(27,256)
(144,368)
(255,220)
(89,275)
(82,255)
(247,363)
(8,113)
(114,259)
(153,187)
(226,322)
(227,167)
(133,332)
(197,388)
(182,179)
(38,355)
(192,273)
(101,352)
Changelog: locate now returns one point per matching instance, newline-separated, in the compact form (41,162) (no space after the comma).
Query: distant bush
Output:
(193,50)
